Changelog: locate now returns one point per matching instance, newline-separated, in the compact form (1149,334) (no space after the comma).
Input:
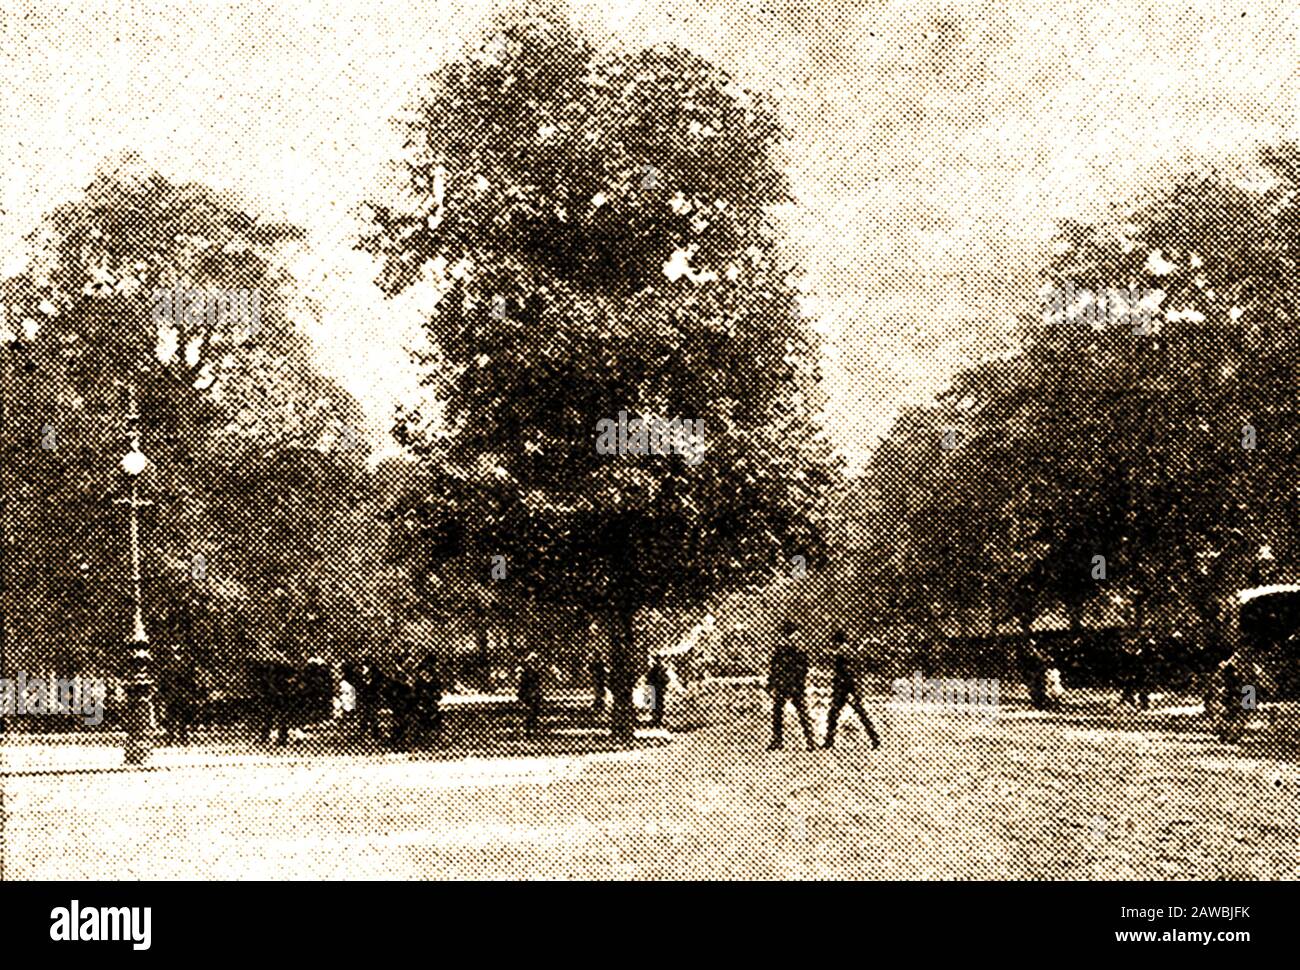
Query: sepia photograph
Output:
(650,440)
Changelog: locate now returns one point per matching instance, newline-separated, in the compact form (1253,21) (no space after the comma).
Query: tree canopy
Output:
(239,427)
(1149,418)
(600,224)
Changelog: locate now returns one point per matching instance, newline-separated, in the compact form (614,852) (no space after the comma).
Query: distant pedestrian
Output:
(530,692)
(1134,658)
(401,701)
(317,691)
(179,690)
(428,695)
(787,682)
(599,677)
(1232,702)
(277,689)
(1034,663)
(657,680)
(369,686)
(345,704)
(1053,688)
(844,690)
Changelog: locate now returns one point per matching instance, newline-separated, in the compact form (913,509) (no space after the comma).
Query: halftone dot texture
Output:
(1007,484)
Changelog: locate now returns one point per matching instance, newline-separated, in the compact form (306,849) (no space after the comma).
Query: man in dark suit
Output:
(787,682)
(428,695)
(530,692)
(402,702)
(179,690)
(278,693)
(1135,655)
(844,690)
(657,680)
(370,687)
(598,677)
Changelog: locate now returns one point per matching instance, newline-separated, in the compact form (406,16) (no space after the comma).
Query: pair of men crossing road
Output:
(787,682)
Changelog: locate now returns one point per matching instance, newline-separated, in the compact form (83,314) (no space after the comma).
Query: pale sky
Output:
(934,144)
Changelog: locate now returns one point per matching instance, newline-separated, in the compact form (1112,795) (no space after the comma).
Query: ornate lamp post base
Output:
(139,704)
(139,724)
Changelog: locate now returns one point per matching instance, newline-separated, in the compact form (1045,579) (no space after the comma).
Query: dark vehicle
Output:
(1268,631)
(1258,664)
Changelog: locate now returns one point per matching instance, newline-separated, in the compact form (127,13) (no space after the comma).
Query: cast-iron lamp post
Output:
(139,684)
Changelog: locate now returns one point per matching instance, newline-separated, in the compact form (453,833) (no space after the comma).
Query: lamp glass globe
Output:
(134,462)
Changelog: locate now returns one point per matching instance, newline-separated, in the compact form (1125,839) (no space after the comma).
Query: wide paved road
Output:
(945,798)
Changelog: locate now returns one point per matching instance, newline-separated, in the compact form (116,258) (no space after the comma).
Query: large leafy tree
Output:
(236,421)
(601,227)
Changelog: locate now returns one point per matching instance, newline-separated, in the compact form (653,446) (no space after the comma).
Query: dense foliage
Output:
(600,224)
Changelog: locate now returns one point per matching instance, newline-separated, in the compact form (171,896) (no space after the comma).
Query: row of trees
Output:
(600,225)
(1145,469)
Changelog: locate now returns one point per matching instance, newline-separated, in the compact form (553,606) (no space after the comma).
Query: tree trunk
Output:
(622,674)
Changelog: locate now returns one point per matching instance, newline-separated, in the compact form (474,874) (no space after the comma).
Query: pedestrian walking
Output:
(1233,697)
(368,685)
(277,690)
(345,704)
(1034,663)
(1134,658)
(787,682)
(599,677)
(401,700)
(428,695)
(530,692)
(657,680)
(179,690)
(844,690)
(318,691)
